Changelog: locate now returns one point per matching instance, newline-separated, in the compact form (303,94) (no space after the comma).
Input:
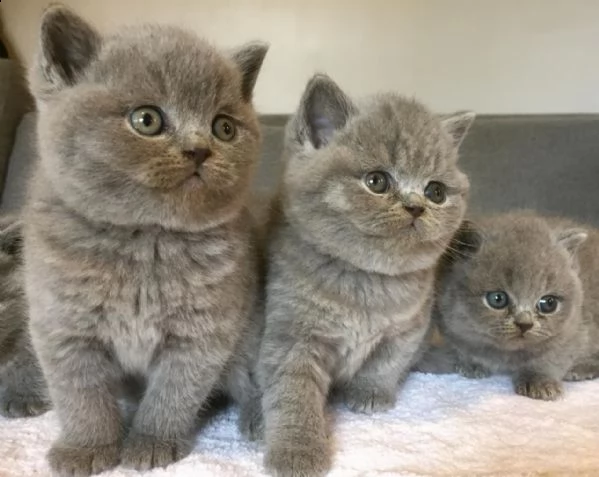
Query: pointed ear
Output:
(572,239)
(249,59)
(68,44)
(457,125)
(465,243)
(324,109)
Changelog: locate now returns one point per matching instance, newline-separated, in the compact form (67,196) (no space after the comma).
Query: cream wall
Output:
(493,56)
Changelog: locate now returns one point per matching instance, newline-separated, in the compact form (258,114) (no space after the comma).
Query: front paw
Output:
(539,387)
(251,420)
(368,400)
(68,461)
(142,452)
(472,371)
(582,373)
(22,405)
(312,460)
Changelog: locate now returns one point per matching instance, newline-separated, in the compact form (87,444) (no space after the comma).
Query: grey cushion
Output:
(550,163)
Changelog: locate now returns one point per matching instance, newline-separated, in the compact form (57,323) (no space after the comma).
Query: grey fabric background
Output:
(549,163)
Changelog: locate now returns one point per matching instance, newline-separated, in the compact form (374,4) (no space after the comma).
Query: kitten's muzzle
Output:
(524,322)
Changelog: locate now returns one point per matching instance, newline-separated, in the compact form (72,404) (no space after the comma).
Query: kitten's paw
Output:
(539,387)
(298,461)
(143,452)
(582,373)
(22,405)
(251,420)
(68,461)
(472,371)
(368,400)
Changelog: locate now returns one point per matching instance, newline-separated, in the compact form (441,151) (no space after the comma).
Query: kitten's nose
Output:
(414,211)
(198,155)
(525,326)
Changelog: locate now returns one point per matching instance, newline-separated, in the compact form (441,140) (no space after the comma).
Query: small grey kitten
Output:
(139,258)
(371,196)
(520,297)
(23,390)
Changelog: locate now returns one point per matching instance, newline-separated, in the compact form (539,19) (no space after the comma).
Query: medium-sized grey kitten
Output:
(371,196)
(520,297)
(23,390)
(139,255)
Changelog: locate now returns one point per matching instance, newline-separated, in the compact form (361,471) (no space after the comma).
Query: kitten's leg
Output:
(24,390)
(538,385)
(374,386)
(295,428)
(165,424)
(247,395)
(588,369)
(469,369)
(82,378)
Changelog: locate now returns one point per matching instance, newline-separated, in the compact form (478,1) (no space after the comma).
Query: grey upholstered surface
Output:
(550,163)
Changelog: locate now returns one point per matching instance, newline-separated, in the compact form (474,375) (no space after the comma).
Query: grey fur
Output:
(23,390)
(527,257)
(349,283)
(138,260)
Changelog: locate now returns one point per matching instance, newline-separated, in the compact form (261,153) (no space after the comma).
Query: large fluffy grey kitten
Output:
(138,254)
(521,298)
(22,388)
(371,196)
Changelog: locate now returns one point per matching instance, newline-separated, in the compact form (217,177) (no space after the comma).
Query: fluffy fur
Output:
(22,388)
(527,257)
(350,272)
(138,252)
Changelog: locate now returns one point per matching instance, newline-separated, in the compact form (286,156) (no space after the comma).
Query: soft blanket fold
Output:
(441,426)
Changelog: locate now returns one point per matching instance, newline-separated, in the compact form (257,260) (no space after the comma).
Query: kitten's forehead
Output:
(169,64)
(404,132)
(521,255)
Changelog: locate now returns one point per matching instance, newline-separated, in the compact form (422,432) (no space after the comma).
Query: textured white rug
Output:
(441,426)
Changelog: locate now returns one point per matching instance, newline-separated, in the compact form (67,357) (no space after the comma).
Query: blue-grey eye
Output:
(497,299)
(223,127)
(548,304)
(436,192)
(377,182)
(147,120)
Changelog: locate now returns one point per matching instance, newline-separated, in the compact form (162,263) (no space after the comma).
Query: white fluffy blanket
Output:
(441,426)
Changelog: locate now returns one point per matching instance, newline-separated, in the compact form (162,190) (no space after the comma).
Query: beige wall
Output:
(493,56)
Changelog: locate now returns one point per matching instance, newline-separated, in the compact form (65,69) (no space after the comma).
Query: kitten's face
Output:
(383,176)
(157,128)
(520,288)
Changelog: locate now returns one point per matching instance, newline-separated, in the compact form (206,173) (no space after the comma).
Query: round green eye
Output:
(147,120)
(377,182)
(497,299)
(223,127)
(548,304)
(435,192)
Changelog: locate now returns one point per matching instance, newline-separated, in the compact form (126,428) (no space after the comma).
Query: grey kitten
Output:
(371,196)
(139,258)
(521,298)
(23,390)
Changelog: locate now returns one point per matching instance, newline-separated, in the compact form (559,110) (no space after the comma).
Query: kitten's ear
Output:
(465,243)
(572,239)
(249,59)
(68,44)
(324,109)
(457,125)
(11,238)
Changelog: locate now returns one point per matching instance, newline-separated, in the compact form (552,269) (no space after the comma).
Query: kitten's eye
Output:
(547,304)
(147,120)
(435,192)
(223,127)
(497,299)
(377,182)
